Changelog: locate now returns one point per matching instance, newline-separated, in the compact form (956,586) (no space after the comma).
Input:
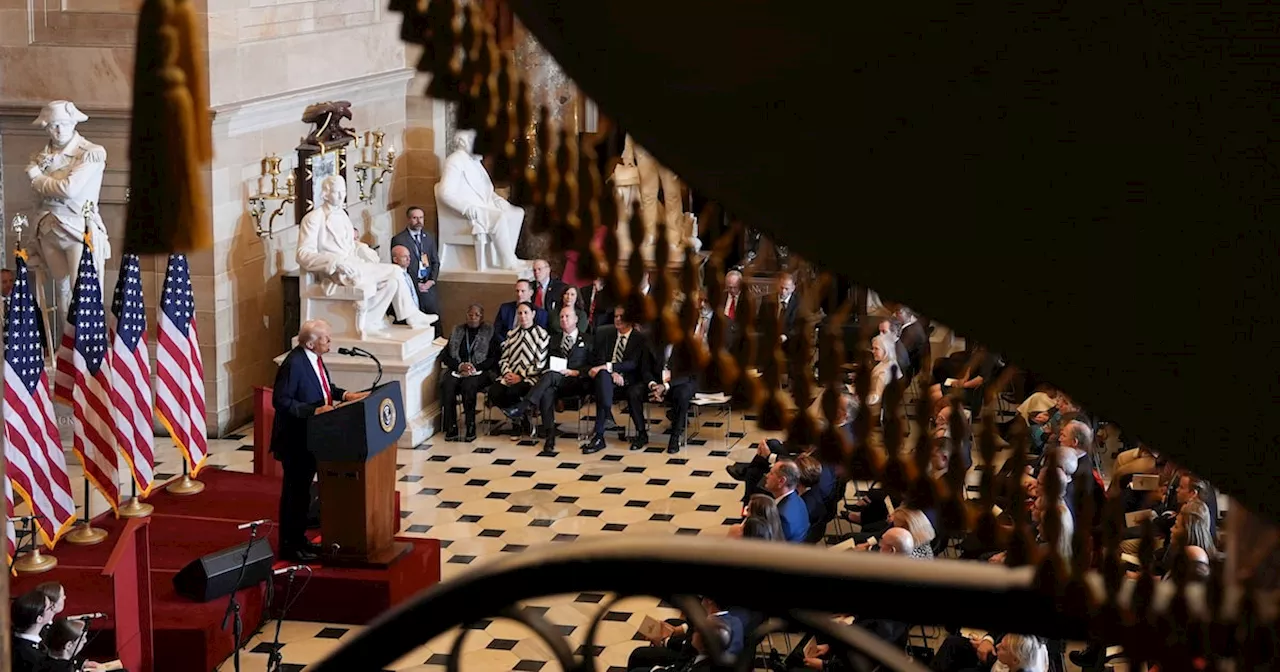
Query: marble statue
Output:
(465,187)
(66,174)
(328,248)
(640,176)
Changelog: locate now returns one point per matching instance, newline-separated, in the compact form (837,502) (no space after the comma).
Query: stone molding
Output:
(259,114)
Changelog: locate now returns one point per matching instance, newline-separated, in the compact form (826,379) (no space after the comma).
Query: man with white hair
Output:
(67,176)
(327,248)
(302,389)
(467,188)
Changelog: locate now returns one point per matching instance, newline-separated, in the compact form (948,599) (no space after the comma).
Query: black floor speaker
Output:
(214,575)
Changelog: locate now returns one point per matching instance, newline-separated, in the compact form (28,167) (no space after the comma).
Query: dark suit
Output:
(552,384)
(552,296)
(458,350)
(27,656)
(680,391)
(915,339)
(296,396)
(602,314)
(428,301)
(795,517)
(506,320)
(629,366)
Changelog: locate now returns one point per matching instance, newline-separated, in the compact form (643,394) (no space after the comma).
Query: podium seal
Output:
(387,415)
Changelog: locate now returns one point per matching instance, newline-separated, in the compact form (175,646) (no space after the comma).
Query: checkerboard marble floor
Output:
(498,496)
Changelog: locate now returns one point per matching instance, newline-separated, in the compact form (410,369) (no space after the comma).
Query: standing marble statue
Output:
(465,186)
(640,175)
(66,174)
(328,247)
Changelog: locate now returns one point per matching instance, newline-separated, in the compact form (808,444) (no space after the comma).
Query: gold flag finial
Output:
(87,211)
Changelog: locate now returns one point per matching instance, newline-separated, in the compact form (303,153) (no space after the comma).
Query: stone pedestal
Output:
(407,355)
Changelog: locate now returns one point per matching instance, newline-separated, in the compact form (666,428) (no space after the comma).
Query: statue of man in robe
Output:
(465,186)
(328,247)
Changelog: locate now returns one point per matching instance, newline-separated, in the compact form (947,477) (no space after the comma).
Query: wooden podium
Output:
(354,447)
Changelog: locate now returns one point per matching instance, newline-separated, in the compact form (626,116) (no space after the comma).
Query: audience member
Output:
(525,355)
(468,367)
(546,289)
(424,261)
(763,509)
(782,481)
(574,348)
(619,351)
(599,308)
(663,386)
(569,297)
(63,643)
(506,318)
(883,351)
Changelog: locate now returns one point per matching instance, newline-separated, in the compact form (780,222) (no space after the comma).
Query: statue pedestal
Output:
(408,356)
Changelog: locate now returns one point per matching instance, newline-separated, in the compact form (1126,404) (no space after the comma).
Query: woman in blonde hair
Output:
(922,532)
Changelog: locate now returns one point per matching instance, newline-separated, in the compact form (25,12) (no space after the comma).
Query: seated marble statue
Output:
(328,248)
(466,188)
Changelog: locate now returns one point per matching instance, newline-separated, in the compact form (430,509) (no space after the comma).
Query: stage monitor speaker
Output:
(214,575)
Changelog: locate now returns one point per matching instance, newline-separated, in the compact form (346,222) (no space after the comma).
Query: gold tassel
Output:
(168,209)
(189,50)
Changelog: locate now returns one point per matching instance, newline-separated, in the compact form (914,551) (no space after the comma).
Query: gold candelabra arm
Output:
(272,221)
(257,208)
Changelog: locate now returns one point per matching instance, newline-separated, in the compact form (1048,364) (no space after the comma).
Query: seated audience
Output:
(569,297)
(1140,460)
(573,347)
(619,352)
(525,353)
(55,593)
(1013,653)
(663,386)
(883,351)
(506,318)
(782,481)
(682,652)
(599,308)
(764,511)
(1191,528)
(468,368)
(547,290)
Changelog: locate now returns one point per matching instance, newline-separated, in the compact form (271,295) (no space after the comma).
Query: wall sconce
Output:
(258,203)
(372,162)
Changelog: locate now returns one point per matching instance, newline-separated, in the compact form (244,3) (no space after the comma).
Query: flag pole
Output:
(135,508)
(85,533)
(33,561)
(186,485)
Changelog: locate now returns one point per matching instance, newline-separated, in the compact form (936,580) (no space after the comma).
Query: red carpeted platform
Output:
(189,635)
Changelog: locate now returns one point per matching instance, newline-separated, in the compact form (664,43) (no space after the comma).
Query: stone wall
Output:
(268,60)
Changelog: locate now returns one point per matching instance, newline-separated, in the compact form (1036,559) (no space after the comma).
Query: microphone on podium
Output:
(254,523)
(87,617)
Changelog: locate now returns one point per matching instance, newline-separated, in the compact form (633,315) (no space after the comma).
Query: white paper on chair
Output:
(1131,559)
(1145,482)
(440,341)
(846,545)
(702,398)
(455,374)
(1136,518)
(558,365)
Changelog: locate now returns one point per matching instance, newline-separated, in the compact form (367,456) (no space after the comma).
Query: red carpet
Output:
(189,635)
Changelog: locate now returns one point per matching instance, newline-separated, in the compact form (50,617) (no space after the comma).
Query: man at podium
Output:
(302,389)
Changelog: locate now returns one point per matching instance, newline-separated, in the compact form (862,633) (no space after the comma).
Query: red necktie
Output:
(324,383)
(592,315)
(733,307)
(537,299)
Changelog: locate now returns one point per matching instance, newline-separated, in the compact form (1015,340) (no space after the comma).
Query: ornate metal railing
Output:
(1180,624)
(797,587)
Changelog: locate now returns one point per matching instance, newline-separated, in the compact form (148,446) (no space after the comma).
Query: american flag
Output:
(90,398)
(37,465)
(179,372)
(131,388)
(11,548)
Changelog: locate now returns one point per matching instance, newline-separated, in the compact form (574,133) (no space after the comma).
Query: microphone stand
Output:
(233,605)
(275,659)
(361,352)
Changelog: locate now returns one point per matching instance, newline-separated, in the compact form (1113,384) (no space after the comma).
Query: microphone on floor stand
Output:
(354,351)
(254,524)
(87,617)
